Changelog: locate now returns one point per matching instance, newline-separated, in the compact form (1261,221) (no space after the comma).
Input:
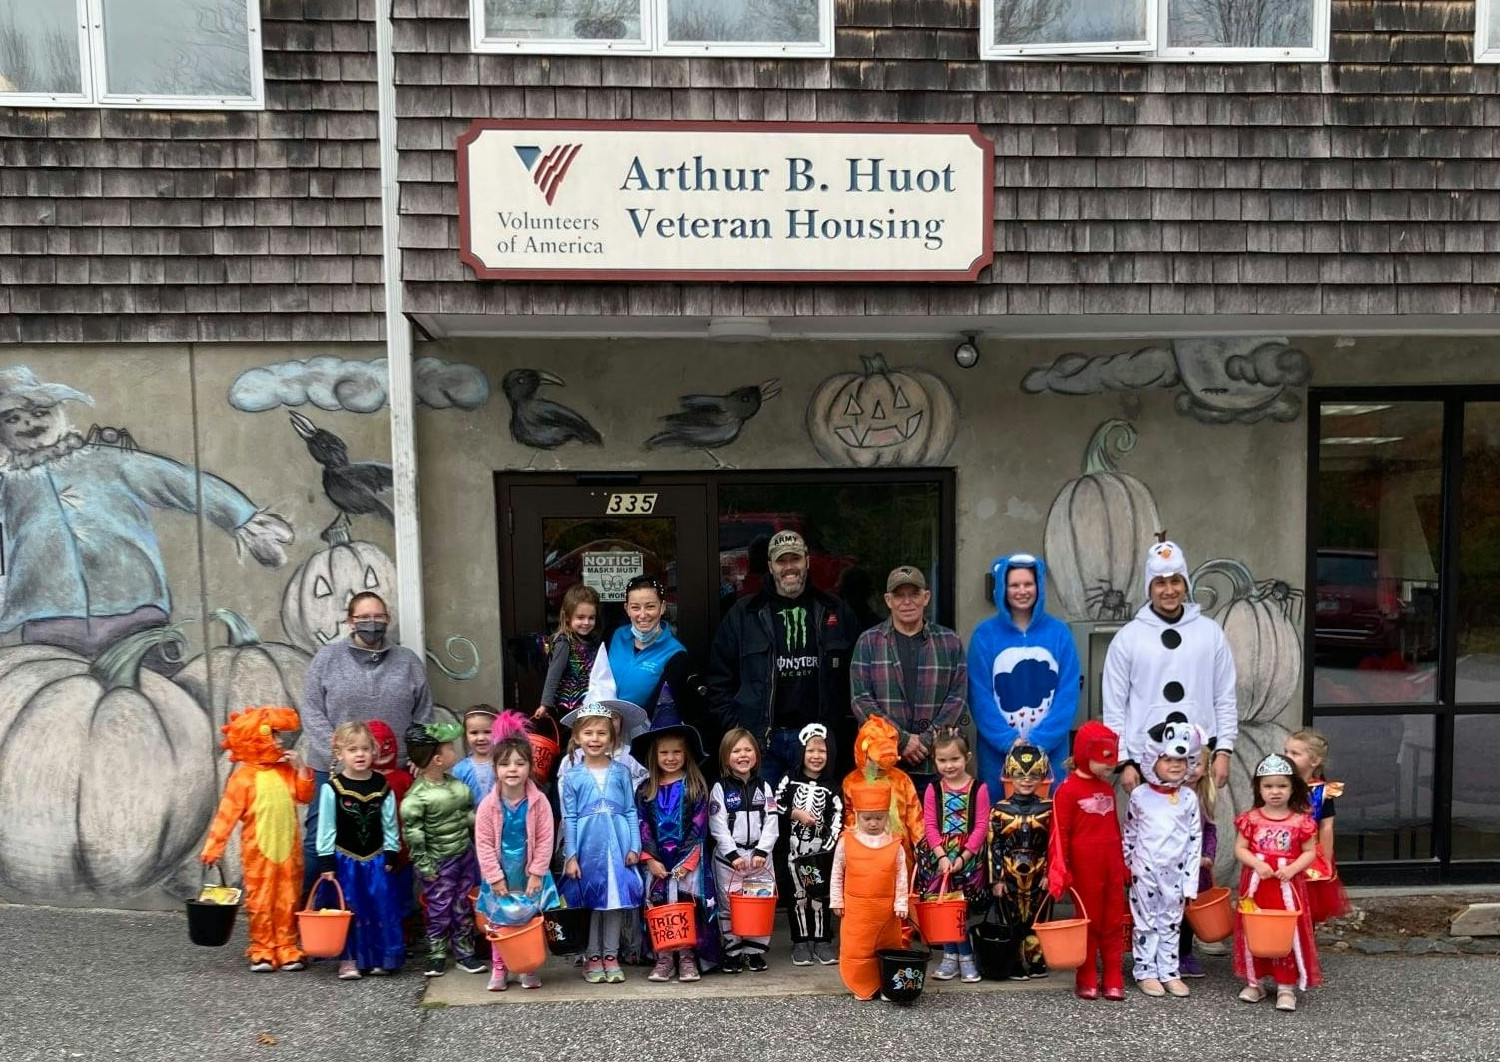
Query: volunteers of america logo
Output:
(548,169)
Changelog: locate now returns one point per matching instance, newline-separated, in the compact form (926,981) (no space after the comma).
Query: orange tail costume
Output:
(261,797)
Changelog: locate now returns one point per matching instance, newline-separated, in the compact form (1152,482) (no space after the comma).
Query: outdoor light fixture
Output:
(967,353)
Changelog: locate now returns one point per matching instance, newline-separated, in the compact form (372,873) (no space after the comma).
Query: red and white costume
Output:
(1279,842)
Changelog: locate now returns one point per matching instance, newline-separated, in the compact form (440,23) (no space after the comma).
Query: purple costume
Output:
(674,830)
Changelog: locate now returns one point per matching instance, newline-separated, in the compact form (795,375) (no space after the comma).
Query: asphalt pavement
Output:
(98,985)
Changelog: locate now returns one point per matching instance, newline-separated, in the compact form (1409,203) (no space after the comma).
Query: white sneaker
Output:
(349,971)
(1213,947)
(947,969)
(262,966)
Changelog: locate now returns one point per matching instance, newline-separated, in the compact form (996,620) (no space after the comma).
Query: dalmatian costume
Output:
(1155,666)
(1163,842)
(808,849)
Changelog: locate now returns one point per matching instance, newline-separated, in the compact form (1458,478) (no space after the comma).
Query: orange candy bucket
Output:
(751,916)
(522,948)
(1210,916)
(1269,933)
(1065,940)
(942,921)
(323,932)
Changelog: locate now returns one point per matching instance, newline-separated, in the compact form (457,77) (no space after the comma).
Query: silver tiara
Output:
(595,710)
(1274,765)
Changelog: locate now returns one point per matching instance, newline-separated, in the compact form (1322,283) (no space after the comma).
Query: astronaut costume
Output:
(1163,839)
(743,822)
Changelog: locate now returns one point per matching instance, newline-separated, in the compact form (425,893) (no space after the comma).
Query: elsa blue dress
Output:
(600,827)
(515,908)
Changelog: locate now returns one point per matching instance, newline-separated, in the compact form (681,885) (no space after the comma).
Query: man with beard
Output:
(780,661)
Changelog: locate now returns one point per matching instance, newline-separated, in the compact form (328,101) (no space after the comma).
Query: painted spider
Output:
(105,436)
(1105,602)
(1285,596)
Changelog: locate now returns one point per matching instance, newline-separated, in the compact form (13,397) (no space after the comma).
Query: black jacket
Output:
(742,662)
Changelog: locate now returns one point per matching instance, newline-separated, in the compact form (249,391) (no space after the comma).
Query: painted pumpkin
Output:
(1263,637)
(1097,532)
(882,417)
(106,772)
(317,596)
(246,672)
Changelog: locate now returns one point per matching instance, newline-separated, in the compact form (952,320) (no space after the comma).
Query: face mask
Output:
(371,631)
(646,638)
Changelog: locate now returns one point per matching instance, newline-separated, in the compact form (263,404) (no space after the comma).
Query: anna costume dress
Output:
(357,832)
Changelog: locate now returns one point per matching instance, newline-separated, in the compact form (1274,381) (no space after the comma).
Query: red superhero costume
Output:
(261,797)
(1086,855)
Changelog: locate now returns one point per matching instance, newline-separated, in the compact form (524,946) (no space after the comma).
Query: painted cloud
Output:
(356,386)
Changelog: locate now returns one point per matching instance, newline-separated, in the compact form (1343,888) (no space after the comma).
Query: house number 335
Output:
(628,504)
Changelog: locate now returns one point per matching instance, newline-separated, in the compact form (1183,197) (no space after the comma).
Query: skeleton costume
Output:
(808,849)
(743,821)
(1019,830)
(1163,840)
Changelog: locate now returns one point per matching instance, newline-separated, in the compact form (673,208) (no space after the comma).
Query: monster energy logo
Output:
(795,620)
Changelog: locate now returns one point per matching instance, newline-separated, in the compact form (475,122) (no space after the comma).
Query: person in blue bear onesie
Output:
(1023,670)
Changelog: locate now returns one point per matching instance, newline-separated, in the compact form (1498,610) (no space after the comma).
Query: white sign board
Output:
(608,573)
(595,200)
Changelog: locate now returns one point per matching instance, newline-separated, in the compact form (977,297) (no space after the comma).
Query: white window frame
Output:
(1151,49)
(90,15)
(1486,12)
(653,39)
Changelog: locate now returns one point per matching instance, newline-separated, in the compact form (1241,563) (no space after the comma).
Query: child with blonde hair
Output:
(955,819)
(476,769)
(571,652)
(1200,781)
(744,824)
(869,890)
(356,829)
(1308,751)
(601,832)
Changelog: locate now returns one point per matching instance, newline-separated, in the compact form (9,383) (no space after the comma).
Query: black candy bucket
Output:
(903,974)
(996,949)
(211,924)
(567,930)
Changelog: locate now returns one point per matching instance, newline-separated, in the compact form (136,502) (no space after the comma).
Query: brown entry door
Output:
(558,531)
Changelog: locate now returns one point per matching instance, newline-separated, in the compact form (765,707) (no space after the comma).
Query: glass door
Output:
(559,531)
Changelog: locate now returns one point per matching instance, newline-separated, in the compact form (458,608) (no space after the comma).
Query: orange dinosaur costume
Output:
(262,797)
(876,753)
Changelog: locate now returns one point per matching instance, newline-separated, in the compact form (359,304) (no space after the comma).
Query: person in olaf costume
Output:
(1170,657)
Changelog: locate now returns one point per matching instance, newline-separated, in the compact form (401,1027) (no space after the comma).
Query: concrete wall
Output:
(109,774)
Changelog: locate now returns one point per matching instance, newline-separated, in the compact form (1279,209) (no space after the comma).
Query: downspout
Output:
(398,350)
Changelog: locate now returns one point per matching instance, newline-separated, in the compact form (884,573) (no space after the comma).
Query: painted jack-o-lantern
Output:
(882,416)
(316,600)
(106,772)
(1097,532)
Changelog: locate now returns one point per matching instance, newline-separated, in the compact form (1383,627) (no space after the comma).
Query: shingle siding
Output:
(122,225)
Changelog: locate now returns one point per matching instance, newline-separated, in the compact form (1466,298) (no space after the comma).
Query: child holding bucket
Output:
(955,818)
(261,797)
(743,823)
(1200,780)
(1308,751)
(1086,856)
(868,890)
(438,819)
(476,770)
(1275,842)
(513,838)
(673,807)
(356,829)
(1163,842)
(601,831)
(1019,830)
(812,814)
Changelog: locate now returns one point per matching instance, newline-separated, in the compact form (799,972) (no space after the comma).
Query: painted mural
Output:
(1097,532)
(353,488)
(882,417)
(339,384)
(1235,380)
(708,422)
(539,423)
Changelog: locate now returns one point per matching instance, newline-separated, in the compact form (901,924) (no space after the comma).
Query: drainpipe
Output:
(398,351)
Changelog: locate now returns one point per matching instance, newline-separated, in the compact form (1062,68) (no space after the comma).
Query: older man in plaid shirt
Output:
(911,671)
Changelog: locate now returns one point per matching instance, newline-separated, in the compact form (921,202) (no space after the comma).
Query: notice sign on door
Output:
(608,573)
(596,200)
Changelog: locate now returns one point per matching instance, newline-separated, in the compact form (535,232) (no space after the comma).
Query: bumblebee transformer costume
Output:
(1019,832)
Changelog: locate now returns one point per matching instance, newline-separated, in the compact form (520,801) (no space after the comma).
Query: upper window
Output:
(1166,29)
(1487,35)
(130,53)
(669,27)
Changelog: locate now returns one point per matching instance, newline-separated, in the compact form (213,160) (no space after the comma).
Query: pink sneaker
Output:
(593,970)
(497,978)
